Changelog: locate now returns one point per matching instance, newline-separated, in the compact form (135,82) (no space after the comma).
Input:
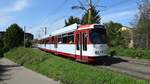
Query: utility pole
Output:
(45,31)
(45,35)
(89,11)
(24,35)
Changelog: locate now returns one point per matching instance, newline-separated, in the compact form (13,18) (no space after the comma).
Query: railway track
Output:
(140,70)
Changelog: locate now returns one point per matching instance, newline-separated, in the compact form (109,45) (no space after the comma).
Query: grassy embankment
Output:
(67,71)
(133,53)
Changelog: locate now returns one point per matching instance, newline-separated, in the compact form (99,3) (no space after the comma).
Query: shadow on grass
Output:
(4,69)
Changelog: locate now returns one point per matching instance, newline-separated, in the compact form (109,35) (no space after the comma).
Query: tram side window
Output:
(59,39)
(71,38)
(77,41)
(84,41)
(47,40)
(40,41)
(43,42)
(64,38)
(52,39)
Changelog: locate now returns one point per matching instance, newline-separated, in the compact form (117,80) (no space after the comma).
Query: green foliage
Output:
(114,34)
(91,14)
(72,20)
(127,37)
(13,37)
(112,52)
(134,53)
(28,43)
(67,71)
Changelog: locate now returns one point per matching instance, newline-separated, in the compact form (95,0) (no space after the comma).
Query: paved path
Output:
(133,67)
(11,73)
(140,71)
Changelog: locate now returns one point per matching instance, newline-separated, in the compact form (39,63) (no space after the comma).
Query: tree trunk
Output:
(147,40)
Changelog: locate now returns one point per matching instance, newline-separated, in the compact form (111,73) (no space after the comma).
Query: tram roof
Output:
(67,29)
(72,28)
(44,37)
(90,26)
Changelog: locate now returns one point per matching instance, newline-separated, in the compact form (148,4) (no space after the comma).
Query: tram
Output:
(86,43)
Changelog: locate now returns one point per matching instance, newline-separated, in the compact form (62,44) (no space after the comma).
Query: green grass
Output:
(134,53)
(67,71)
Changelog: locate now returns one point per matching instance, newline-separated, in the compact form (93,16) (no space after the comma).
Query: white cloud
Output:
(19,5)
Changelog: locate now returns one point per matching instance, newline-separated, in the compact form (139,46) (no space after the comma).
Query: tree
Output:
(91,14)
(14,37)
(114,34)
(143,25)
(95,17)
(72,20)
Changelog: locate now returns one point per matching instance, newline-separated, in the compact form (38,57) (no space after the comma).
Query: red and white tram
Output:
(86,43)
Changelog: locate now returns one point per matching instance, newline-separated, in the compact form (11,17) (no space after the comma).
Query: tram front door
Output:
(81,44)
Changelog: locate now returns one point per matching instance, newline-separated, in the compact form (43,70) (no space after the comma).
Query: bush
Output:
(134,53)
(13,37)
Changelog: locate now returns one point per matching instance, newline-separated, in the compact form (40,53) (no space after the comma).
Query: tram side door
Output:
(79,45)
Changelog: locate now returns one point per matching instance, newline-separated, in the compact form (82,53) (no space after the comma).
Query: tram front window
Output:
(98,36)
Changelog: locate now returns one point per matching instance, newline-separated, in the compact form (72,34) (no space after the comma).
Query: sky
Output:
(34,15)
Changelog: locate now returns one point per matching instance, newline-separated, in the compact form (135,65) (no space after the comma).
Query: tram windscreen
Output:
(98,36)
